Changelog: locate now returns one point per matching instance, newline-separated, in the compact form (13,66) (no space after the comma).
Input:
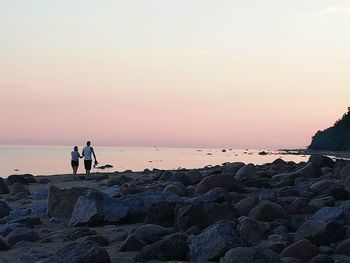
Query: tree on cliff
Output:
(335,138)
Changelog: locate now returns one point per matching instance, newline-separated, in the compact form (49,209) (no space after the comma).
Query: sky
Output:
(180,73)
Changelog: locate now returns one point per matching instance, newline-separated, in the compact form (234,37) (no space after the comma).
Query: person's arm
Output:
(82,153)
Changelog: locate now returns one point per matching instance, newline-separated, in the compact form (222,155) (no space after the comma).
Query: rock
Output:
(267,211)
(174,189)
(249,255)
(244,206)
(94,207)
(318,203)
(319,232)
(161,213)
(322,259)
(112,192)
(345,172)
(3,244)
(321,161)
(119,180)
(22,234)
(225,181)
(132,243)
(203,214)
(251,231)
(329,214)
(232,168)
(85,252)
(62,201)
(180,177)
(19,188)
(194,177)
(8,228)
(41,193)
(300,206)
(4,209)
(21,178)
(3,187)
(310,171)
(28,221)
(303,250)
(213,242)
(247,172)
(152,233)
(216,195)
(324,187)
(343,248)
(173,247)
(80,232)
(43,180)
(165,176)
(39,208)
(98,239)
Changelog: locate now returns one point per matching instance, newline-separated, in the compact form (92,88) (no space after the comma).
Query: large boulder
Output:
(3,187)
(247,172)
(232,168)
(267,211)
(310,170)
(22,234)
(60,202)
(19,188)
(324,187)
(213,242)
(194,177)
(329,214)
(319,232)
(173,247)
(94,207)
(345,172)
(249,255)
(318,203)
(223,180)
(244,206)
(85,252)
(343,248)
(302,250)
(4,209)
(161,213)
(321,161)
(203,214)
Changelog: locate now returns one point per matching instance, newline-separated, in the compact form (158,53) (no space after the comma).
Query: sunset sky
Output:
(180,73)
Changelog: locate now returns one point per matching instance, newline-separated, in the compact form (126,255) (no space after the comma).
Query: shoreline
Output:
(138,216)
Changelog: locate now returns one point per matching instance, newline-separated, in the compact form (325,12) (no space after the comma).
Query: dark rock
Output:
(161,213)
(3,187)
(319,232)
(22,234)
(98,239)
(80,232)
(112,192)
(173,247)
(203,214)
(132,243)
(225,181)
(194,177)
(249,255)
(213,242)
(21,178)
(3,244)
(175,189)
(94,207)
(329,214)
(251,231)
(28,221)
(343,248)
(216,195)
(232,168)
(247,172)
(324,187)
(322,259)
(19,188)
(300,206)
(244,206)
(119,180)
(180,177)
(62,201)
(302,250)
(152,233)
(321,161)
(267,211)
(4,209)
(318,203)
(85,252)
(310,171)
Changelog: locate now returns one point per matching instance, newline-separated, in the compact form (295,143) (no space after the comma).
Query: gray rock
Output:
(302,250)
(152,233)
(249,255)
(112,192)
(20,178)
(173,247)
(343,248)
(3,244)
(324,187)
(321,160)
(194,177)
(85,252)
(345,172)
(329,214)
(247,172)
(62,201)
(79,232)
(19,188)
(318,203)
(132,243)
(94,207)
(174,189)
(232,168)
(322,259)
(161,213)
(213,242)
(217,195)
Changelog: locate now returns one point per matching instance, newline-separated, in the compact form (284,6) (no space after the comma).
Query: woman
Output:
(75,160)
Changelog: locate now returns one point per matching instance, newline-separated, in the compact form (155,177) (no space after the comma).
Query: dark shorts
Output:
(74,163)
(87,164)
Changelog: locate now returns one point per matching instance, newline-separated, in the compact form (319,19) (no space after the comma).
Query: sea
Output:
(49,160)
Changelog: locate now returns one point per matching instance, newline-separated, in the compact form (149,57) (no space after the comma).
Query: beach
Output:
(269,212)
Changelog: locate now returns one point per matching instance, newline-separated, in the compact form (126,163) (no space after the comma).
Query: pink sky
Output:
(159,74)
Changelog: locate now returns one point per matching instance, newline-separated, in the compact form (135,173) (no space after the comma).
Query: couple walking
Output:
(87,154)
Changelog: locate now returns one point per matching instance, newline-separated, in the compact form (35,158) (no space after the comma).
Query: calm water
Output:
(44,160)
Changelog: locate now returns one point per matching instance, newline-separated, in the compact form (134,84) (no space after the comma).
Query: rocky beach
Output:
(235,212)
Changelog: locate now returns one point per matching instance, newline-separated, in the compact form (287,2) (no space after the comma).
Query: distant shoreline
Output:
(333,154)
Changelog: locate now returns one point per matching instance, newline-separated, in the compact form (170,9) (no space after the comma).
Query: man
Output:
(87,152)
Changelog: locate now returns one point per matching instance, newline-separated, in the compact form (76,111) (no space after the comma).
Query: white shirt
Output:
(87,151)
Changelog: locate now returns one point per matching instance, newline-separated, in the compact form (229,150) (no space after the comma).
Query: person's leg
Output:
(75,169)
